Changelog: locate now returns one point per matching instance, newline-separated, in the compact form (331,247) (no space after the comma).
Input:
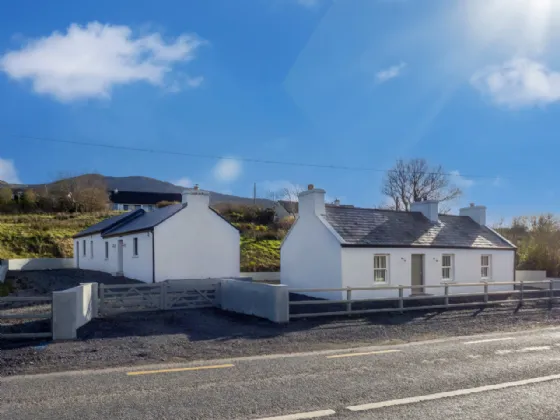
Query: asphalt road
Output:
(499,376)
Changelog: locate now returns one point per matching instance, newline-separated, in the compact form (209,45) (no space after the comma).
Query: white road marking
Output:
(449,394)
(369,353)
(523,350)
(298,416)
(489,340)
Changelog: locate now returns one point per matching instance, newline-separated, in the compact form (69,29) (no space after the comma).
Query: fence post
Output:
(446,292)
(348,297)
(551,293)
(163,293)
(485,292)
(401,298)
(521,293)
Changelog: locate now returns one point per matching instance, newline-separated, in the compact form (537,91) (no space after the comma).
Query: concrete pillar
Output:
(64,311)
(282,299)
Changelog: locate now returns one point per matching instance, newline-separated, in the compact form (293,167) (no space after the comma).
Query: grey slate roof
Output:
(109,223)
(145,222)
(386,228)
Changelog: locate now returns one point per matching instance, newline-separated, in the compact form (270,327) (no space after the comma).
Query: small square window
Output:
(135,247)
(380,269)
(447,267)
(125,207)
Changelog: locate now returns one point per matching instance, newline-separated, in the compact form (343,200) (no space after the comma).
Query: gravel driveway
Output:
(187,335)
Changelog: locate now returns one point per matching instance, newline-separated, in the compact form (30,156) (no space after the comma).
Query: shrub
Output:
(165,203)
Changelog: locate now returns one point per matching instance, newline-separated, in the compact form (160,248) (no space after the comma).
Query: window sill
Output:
(135,256)
(485,280)
(385,283)
(448,282)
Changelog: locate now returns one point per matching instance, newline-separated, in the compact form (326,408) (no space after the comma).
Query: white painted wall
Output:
(137,267)
(88,262)
(357,269)
(310,257)
(196,243)
(73,308)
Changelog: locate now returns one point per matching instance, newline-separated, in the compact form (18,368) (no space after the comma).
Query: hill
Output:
(142,184)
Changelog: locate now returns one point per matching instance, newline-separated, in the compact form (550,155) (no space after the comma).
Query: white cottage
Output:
(182,241)
(334,246)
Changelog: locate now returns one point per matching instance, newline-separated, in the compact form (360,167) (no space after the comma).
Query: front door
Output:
(417,275)
(120,257)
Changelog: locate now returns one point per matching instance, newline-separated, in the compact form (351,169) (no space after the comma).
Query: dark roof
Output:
(138,197)
(386,228)
(145,222)
(111,222)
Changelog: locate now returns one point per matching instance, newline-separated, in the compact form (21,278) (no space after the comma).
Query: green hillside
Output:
(50,236)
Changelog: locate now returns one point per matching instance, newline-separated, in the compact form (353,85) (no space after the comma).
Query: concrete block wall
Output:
(273,276)
(269,301)
(73,308)
(28,264)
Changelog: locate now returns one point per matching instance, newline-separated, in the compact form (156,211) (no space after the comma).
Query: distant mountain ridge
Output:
(147,184)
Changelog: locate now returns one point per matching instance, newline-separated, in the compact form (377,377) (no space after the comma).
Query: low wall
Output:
(28,264)
(530,275)
(270,301)
(264,276)
(73,308)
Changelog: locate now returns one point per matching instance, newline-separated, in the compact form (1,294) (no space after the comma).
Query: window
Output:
(106,250)
(115,206)
(486,267)
(91,248)
(447,267)
(380,270)
(84,248)
(135,247)
(125,207)
(150,207)
(137,206)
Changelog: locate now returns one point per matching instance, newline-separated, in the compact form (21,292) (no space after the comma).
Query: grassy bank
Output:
(50,236)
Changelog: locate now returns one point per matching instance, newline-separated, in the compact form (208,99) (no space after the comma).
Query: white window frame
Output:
(106,250)
(386,269)
(451,268)
(488,267)
(134,247)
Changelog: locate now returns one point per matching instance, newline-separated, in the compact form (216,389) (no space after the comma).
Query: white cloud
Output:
(8,172)
(520,82)
(88,61)
(227,170)
(183,182)
(390,73)
(460,181)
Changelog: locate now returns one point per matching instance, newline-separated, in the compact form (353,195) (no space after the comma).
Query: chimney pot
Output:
(310,187)
(429,208)
(337,202)
(196,187)
(472,204)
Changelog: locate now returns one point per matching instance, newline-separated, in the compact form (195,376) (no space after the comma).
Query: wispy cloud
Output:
(8,172)
(183,182)
(520,82)
(89,61)
(390,73)
(460,181)
(227,170)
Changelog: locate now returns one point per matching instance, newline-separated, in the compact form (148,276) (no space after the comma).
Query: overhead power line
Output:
(219,157)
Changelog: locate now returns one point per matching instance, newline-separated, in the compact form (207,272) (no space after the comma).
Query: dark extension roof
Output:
(137,197)
(386,228)
(146,222)
(110,223)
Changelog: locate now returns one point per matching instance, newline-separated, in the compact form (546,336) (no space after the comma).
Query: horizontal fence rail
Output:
(26,308)
(520,293)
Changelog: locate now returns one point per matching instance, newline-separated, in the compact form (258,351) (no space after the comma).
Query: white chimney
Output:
(196,197)
(429,208)
(311,201)
(477,213)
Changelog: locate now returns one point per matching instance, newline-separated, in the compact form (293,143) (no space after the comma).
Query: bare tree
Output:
(414,180)
(84,193)
(287,198)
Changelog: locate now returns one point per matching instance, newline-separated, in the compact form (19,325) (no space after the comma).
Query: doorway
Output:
(417,274)
(120,257)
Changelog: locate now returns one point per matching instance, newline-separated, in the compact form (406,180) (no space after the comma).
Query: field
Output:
(50,236)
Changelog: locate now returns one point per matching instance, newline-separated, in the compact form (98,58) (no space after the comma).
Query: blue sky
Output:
(473,86)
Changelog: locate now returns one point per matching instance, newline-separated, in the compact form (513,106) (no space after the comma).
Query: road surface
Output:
(498,376)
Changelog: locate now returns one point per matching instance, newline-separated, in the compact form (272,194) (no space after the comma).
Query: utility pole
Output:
(255,194)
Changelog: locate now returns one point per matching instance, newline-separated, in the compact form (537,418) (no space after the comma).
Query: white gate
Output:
(176,294)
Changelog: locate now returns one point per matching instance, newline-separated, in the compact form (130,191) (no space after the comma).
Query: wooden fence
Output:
(520,292)
(116,298)
(26,308)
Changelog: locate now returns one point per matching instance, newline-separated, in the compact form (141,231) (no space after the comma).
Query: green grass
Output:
(50,236)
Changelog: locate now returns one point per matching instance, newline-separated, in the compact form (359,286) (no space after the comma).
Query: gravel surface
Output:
(180,336)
